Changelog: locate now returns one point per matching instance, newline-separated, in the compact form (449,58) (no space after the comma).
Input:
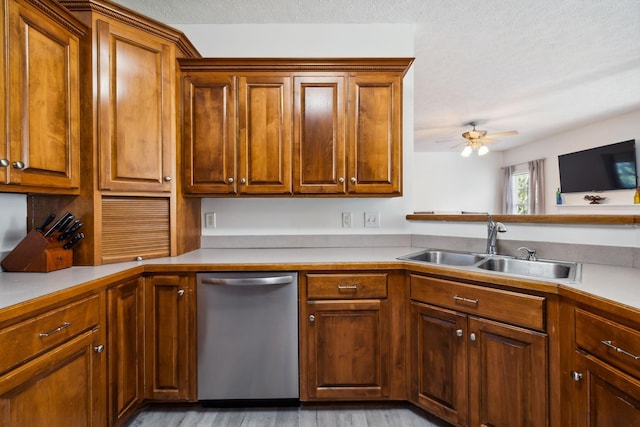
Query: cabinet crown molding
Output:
(297,64)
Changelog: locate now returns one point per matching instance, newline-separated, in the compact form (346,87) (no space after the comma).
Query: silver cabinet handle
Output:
(353,180)
(341,180)
(180,292)
(167,178)
(230,180)
(609,344)
(98,348)
(462,299)
(459,332)
(472,337)
(347,287)
(312,318)
(243,180)
(4,163)
(18,165)
(576,376)
(65,325)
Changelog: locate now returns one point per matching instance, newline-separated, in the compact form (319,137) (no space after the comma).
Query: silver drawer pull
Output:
(471,301)
(65,325)
(619,350)
(352,287)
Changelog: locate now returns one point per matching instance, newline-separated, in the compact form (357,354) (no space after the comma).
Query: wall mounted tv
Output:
(610,167)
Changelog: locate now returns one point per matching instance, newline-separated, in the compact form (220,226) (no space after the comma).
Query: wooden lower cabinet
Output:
(439,380)
(507,375)
(348,349)
(352,336)
(603,374)
(125,349)
(62,387)
(606,397)
(472,371)
(170,366)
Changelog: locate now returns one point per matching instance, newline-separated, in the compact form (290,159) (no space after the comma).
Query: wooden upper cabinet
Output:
(324,127)
(375,134)
(209,137)
(135,111)
(264,132)
(319,135)
(42,48)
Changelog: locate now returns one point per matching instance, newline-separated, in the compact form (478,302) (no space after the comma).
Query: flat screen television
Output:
(610,167)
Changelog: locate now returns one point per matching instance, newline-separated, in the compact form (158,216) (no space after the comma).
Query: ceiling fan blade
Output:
(500,134)
(486,140)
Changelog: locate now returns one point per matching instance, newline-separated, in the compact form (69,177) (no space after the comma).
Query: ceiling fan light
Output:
(483,150)
(467,151)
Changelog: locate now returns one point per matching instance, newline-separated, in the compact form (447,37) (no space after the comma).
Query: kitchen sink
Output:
(441,257)
(537,269)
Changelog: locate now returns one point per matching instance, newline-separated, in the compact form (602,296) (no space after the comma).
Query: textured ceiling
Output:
(539,67)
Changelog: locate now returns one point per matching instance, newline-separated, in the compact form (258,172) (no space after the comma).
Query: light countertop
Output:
(617,284)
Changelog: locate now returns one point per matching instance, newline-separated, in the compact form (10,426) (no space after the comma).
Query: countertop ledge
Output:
(18,291)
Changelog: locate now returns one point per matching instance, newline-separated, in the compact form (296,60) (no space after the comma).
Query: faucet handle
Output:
(531,253)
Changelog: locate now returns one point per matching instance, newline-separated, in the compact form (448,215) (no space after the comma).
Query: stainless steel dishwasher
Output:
(248,338)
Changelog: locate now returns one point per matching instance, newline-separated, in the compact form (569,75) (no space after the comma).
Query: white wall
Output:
(311,215)
(13,220)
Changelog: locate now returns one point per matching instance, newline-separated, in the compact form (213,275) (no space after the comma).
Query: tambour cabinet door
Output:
(319,135)
(264,113)
(136,130)
(209,123)
(43,92)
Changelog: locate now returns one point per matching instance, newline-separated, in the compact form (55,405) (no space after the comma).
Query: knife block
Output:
(38,254)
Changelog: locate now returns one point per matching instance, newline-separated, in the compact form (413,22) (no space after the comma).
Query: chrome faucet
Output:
(493,228)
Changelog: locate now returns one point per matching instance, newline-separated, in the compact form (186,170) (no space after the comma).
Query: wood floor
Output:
(306,416)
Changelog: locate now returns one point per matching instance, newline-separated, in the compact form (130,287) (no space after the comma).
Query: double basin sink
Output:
(539,269)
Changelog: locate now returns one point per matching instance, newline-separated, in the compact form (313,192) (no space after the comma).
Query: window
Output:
(520,189)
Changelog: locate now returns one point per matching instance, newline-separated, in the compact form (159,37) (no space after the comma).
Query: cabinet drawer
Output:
(346,286)
(612,342)
(511,307)
(36,335)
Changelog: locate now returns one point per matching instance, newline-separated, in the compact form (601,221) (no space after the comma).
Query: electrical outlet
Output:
(372,219)
(210,220)
(346,219)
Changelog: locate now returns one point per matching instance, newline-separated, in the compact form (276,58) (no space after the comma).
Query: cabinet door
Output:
(319,135)
(508,375)
(44,114)
(209,123)
(606,397)
(125,349)
(374,144)
(169,325)
(348,349)
(439,362)
(63,387)
(135,109)
(264,113)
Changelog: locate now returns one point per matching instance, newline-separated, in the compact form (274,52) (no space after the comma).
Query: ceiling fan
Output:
(477,138)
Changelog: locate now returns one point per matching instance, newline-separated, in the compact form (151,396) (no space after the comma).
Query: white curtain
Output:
(507,189)
(536,187)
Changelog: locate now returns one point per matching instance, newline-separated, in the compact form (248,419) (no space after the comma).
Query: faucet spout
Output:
(493,228)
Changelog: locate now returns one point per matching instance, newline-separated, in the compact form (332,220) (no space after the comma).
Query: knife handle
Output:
(46,222)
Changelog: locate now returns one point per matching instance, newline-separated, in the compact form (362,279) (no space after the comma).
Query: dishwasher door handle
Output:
(244,281)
